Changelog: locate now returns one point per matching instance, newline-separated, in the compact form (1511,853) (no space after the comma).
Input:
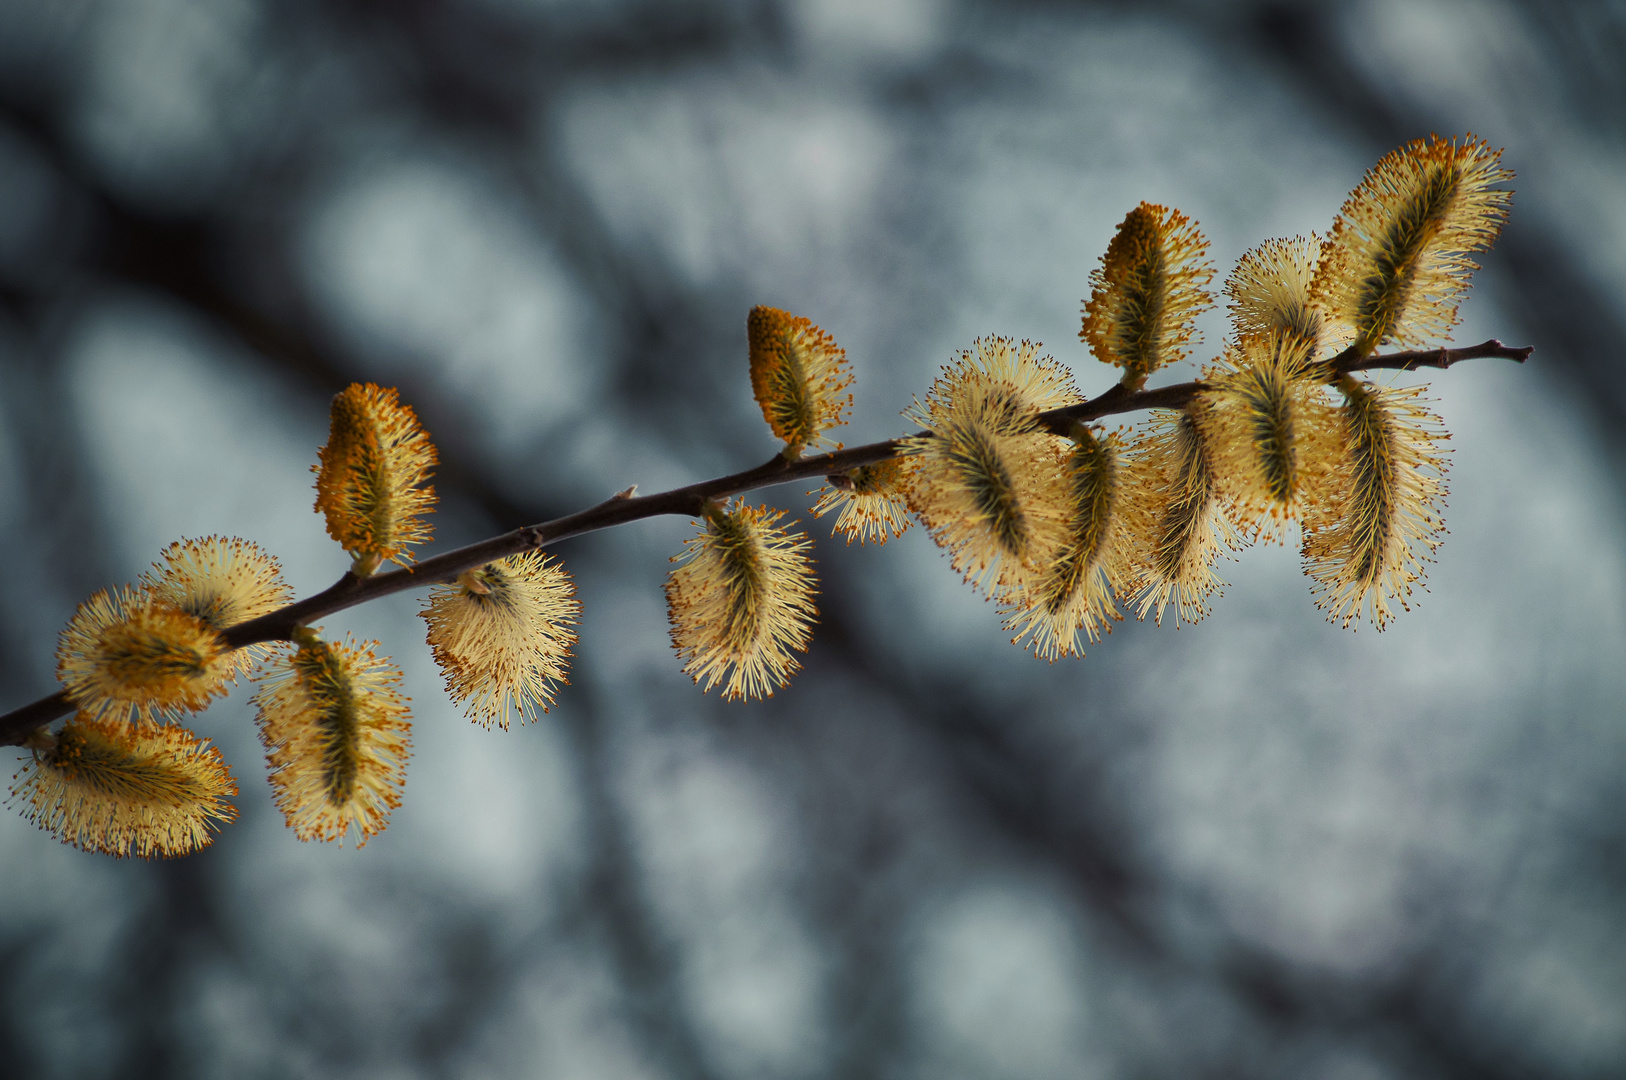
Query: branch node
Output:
(366,565)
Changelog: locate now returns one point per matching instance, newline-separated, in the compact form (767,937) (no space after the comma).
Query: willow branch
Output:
(350,590)
(1178,396)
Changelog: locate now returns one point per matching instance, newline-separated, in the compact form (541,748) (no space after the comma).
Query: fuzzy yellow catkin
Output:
(1072,594)
(1396,264)
(501,635)
(132,655)
(106,787)
(222,582)
(1186,531)
(873,500)
(1269,427)
(1366,545)
(372,477)
(798,374)
(335,729)
(988,485)
(1147,293)
(1270,293)
(740,601)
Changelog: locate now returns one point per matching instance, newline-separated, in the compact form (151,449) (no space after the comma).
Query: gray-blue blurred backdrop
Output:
(1260,847)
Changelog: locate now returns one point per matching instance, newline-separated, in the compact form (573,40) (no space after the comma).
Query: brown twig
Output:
(623,507)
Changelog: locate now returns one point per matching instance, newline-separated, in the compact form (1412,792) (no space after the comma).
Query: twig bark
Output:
(622,508)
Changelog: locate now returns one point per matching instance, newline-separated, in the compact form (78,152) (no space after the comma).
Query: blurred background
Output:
(1260,847)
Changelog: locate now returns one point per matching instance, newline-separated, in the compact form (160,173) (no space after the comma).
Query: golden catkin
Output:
(1186,530)
(335,729)
(1270,293)
(1367,543)
(988,481)
(222,582)
(741,601)
(1147,292)
(873,500)
(1270,432)
(110,788)
(1396,264)
(1072,593)
(798,373)
(132,655)
(371,479)
(501,635)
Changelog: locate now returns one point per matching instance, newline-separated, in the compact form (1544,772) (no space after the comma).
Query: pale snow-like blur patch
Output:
(438,276)
(625,631)
(728,179)
(74,917)
(1342,1064)
(714,848)
(996,987)
(563,1021)
(574,11)
(918,597)
(186,441)
(231,1030)
(1449,52)
(35,37)
(905,29)
(1293,821)
(336,938)
(1557,980)
(170,86)
(608,450)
